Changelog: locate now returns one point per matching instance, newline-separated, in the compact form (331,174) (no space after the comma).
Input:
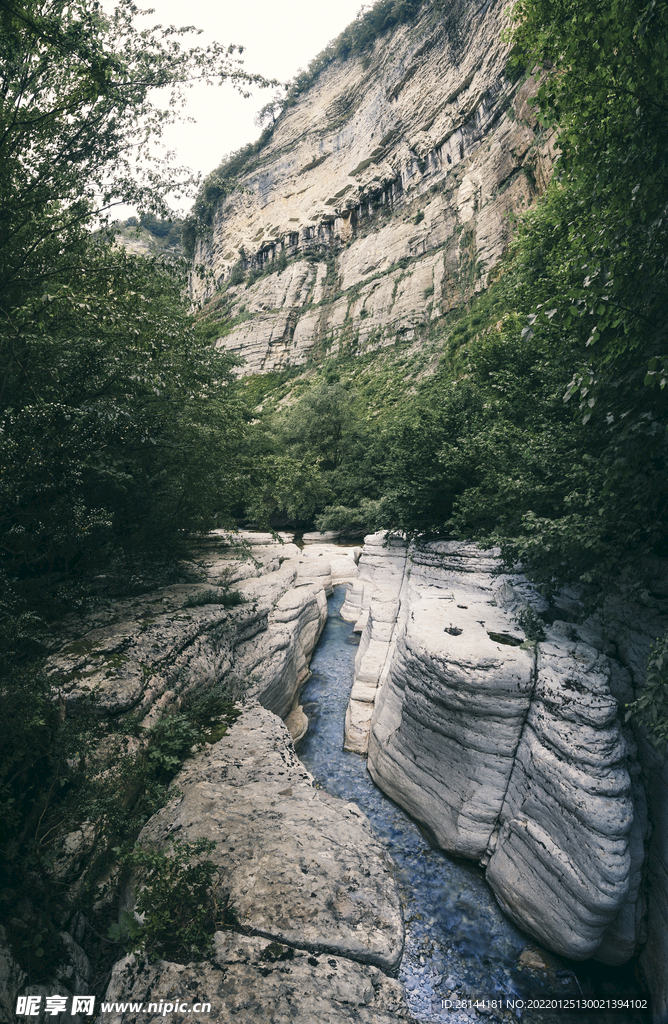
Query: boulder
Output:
(448,720)
(299,866)
(561,863)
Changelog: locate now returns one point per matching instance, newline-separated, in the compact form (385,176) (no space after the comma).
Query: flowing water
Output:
(457,938)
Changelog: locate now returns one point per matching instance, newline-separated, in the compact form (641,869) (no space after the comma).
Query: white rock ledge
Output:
(506,754)
(146,653)
(251,979)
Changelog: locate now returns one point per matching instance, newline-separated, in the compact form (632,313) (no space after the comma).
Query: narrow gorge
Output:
(384,198)
(388,756)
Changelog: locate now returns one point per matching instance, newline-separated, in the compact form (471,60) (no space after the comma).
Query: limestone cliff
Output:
(382,198)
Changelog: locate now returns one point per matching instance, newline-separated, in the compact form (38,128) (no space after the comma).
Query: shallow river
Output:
(457,938)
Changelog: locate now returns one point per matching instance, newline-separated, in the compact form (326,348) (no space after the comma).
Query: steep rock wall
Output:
(388,187)
(506,753)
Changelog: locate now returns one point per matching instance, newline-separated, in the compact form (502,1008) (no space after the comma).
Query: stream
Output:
(457,938)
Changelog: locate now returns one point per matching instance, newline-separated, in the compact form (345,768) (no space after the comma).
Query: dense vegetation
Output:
(119,424)
(120,429)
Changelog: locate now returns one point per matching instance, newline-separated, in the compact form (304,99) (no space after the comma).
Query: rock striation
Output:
(379,582)
(506,751)
(145,653)
(383,197)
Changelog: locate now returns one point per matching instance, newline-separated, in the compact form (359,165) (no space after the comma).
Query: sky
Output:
(278,40)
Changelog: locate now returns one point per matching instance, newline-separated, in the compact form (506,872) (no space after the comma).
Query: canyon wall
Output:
(146,653)
(383,198)
(513,752)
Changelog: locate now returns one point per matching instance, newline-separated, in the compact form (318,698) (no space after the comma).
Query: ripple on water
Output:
(456,935)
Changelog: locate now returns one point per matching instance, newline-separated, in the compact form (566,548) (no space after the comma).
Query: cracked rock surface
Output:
(298,866)
(144,653)
(251,979)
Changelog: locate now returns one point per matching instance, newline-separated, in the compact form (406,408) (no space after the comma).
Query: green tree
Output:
(78,122)
(604,86)
(121,429)
(118,422)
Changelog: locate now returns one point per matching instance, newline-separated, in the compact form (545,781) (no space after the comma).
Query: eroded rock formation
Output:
(145,653)
(388,188)
(507,752)
(319,921)
(250,979)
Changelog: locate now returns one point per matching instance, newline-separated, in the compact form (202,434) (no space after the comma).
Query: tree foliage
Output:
(119,425)
(650,710)
(78,123)
(608,97)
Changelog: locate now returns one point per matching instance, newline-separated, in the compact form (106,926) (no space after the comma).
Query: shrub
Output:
(533,626)
(178,901)
(650,710)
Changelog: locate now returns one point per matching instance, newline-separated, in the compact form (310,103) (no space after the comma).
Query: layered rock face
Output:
(387,188)
(146,653)
(505,751)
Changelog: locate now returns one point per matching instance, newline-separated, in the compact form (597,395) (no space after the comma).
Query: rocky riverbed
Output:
(460,946)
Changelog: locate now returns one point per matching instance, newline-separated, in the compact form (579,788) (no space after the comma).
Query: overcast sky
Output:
(279,39)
